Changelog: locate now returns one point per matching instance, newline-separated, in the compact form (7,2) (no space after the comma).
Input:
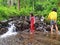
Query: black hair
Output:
(31,14)
(54,9)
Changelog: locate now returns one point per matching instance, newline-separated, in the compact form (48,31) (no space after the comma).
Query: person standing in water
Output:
(53,18)
(32,22)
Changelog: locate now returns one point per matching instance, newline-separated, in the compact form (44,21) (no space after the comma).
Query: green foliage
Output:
(25,11)
(41,7)
(5,12)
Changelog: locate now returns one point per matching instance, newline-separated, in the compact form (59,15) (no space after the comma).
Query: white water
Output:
(10,31)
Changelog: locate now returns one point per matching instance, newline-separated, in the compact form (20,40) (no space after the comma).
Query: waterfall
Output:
(11,30)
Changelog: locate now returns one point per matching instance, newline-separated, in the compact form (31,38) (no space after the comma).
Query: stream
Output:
(22,36)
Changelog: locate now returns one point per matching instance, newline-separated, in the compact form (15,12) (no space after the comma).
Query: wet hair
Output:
(54,9)
(31,14)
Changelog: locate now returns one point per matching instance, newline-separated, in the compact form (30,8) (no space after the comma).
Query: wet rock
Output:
(39,29)
(27,30)
(48,28)
(4,23)
(0,25)
(23,22)
(37,20)
(26,18)
(22,25)
(36,25)
(26,25)
(14,17)
(10,19)
(3,30)
(20,18)
(19,26)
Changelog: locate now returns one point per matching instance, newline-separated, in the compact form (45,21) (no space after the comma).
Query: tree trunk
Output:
(18,4)
(11,2)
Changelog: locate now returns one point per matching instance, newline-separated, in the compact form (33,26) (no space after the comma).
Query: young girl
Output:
(32,22)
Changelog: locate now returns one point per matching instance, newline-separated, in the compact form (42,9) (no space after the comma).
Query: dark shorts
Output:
(52,22)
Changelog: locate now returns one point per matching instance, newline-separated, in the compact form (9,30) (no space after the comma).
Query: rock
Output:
(0,25)
(10,19)
(39,28)
(14,17)
(28,17)
(22,25)
(37,19)
(20,18)
(42,19)
(3,30)
(36,25)
(48,28)
(26,25)
(4,23)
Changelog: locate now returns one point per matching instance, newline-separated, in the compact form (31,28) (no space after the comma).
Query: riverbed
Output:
(24,38)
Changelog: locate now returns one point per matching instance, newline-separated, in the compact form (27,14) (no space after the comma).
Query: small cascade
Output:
(11,30)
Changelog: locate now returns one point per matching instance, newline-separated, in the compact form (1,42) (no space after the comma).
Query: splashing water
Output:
(11,31)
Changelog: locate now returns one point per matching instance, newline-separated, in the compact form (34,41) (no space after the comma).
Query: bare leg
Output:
(52,29)
(56,29)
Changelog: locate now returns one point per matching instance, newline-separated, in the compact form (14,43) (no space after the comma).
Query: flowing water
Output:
(24,38)
(11,31)
(11,37)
